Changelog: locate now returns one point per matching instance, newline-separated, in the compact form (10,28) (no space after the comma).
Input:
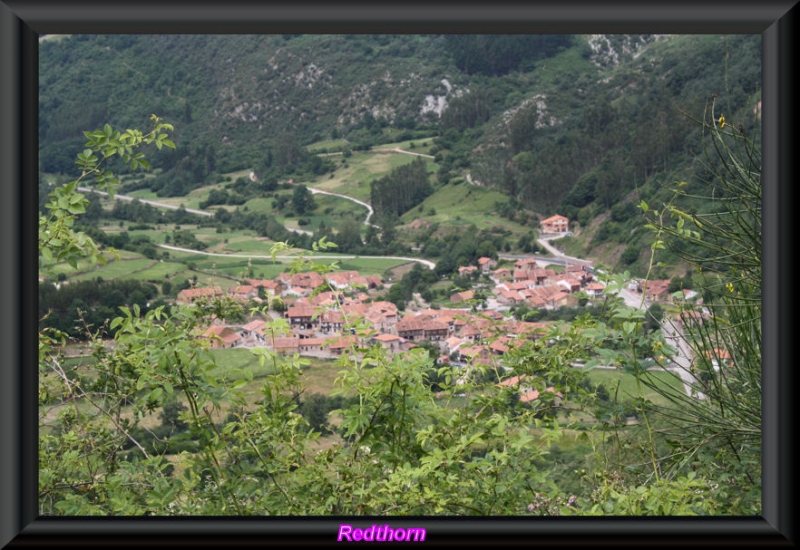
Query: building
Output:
(221,337)
(555,224)
(486,264)
(189,295)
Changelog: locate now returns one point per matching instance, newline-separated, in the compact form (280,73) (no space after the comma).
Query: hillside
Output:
(584,126)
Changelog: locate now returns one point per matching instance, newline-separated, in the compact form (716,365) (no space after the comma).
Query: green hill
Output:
(584,126)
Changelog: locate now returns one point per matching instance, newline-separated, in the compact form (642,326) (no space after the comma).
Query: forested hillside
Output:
(583,126)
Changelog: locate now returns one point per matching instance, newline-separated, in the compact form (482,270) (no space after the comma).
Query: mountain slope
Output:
(577,125)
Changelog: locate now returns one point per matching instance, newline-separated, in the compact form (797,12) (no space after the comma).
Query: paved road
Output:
(151,203)
(426,263)
(683,359)
(370,212)
(557,254)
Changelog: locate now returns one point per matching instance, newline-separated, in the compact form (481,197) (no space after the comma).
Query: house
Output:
(311,346)
(555,224)
(391,342)
(341,345)
(222,337)
(527,329)
(502,274)
(253,332)
(301,317)
(422,327)
(501,345)
(436,330)
(296,292)
(525,264)
(328,298)
(692,317)
(655,290)
(331,321)
(569,284)
(594,290)
(243,292)
(272,287)
(466,271)
(452,344)
(190,295)
(486,264)
(543,276)
(509,297)
(521,275)
(341,280)
(688,295)
(306,281)
(287,345)
(464,296)
(477,354)
(560,299)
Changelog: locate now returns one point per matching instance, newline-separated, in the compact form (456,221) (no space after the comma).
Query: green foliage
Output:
(721,429)
(499,54)
(302,200)
(405,187)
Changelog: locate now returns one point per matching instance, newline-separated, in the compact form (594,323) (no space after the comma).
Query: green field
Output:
(114,269)
(362,167)
(626,386)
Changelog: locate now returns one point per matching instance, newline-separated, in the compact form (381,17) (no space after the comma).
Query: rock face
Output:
(610,50)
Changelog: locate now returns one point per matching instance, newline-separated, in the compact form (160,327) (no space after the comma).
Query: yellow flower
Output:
(722,121)
(729,286)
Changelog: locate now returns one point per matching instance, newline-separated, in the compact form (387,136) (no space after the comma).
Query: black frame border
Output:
(22,22)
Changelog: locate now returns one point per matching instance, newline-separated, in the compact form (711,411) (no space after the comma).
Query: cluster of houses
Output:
(658,291)
(532,285)
(329,322)
(323,323)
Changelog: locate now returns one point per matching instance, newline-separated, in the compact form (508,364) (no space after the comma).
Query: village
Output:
(325,315)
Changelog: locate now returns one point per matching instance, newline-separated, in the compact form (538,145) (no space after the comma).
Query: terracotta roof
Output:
(266,283)
(533,395)
(254,325)
(514,380)
(198,292)
(225,334)
(300,311)
(285,342)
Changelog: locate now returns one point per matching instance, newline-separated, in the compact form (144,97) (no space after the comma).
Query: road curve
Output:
(370,212)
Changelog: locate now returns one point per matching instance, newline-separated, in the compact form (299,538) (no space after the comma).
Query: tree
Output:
(170,415)
(302,200)
(348,236)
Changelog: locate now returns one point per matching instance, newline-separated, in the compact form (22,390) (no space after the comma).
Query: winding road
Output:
(370,211)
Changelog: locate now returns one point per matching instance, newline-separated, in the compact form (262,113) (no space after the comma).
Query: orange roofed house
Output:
(555,224)
(189,295)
